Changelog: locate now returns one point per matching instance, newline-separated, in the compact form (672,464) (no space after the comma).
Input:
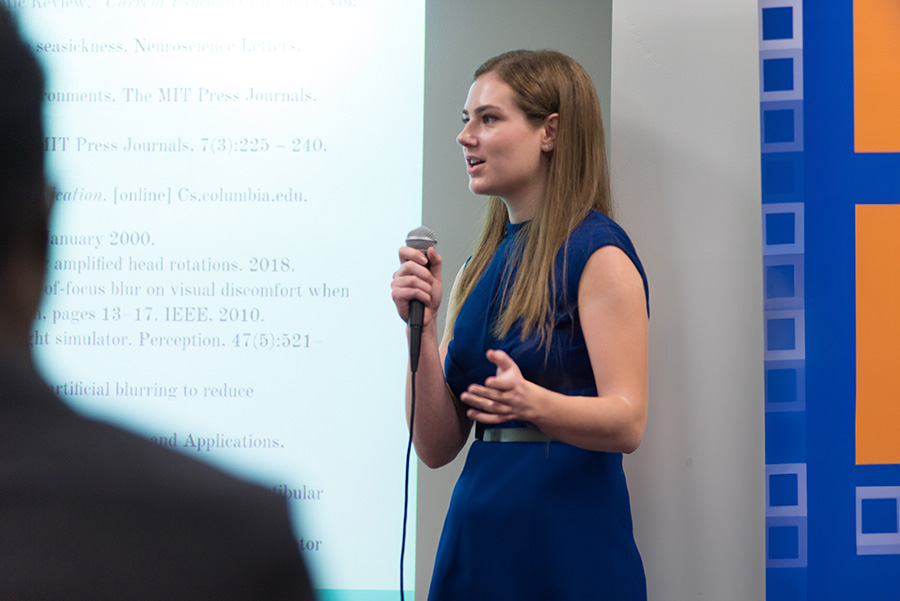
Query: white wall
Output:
(685,168)
(684,139)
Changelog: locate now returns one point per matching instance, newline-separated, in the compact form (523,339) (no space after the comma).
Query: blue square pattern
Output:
(778,126)
(781,385)
(786,490)
(785,335)
(877,520)
(781,128)
(780,228)
(780,71)
(784,542)
(778,74)
(778,23)
(779,177)
(785,385)
(781,334)
(879,516)
(783,490)
(780,281)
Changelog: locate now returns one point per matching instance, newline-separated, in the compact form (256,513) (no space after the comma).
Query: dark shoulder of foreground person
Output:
(89,511)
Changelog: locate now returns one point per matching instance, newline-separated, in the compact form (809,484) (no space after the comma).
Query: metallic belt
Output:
(514,435)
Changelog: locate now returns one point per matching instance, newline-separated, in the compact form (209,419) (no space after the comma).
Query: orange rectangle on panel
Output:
(876,75)
(877,334)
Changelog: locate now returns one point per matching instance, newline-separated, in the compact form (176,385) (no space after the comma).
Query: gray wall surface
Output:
(685,170)
(679,87)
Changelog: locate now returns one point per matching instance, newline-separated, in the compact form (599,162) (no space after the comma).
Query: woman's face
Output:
(504,150)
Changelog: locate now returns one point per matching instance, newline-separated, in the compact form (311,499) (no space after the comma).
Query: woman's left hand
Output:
(504,397)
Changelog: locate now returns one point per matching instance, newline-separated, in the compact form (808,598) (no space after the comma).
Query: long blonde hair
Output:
(544,82)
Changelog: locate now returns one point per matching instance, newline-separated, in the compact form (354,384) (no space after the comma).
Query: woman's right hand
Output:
(419,277)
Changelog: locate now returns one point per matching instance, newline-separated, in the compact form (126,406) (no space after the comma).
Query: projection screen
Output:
(232,180)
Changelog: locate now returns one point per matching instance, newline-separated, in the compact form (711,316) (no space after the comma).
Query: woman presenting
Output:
(545,350)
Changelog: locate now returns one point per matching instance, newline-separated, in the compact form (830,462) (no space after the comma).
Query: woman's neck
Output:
(522,209)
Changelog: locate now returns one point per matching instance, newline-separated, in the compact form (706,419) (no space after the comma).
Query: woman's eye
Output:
(488,118)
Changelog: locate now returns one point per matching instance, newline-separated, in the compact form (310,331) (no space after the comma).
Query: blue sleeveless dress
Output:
(537,520)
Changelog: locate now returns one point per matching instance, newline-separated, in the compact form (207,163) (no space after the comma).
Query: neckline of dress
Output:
(513,228)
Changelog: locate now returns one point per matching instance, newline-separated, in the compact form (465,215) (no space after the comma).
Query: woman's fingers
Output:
(416,279)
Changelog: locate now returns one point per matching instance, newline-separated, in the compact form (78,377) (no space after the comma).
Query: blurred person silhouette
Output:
(88,511)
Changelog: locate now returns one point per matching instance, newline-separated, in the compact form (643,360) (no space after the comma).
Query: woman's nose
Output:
(465,138)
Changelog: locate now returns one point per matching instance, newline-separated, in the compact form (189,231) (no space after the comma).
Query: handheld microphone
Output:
(421,239)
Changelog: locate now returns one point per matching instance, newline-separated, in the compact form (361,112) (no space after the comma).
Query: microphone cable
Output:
(412,422)
(421,238)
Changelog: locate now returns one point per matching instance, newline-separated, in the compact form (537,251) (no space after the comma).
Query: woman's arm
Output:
(441,427)
(614,321)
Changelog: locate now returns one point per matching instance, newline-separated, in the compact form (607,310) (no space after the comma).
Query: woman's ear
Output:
(550,126)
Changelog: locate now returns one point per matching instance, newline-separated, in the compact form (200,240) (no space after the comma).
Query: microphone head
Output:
(421,239)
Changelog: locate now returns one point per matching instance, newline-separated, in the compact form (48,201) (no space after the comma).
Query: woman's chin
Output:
(480,189)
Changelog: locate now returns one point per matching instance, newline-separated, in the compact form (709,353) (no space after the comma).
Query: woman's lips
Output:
(473,164)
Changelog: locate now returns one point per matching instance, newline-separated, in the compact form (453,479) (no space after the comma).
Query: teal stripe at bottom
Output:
(357,595)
